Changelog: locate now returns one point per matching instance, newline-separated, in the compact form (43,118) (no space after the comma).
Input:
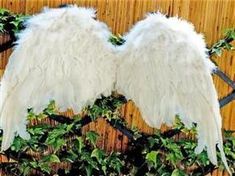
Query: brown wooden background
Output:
(210,17)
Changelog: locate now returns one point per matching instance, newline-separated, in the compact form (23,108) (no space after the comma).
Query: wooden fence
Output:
(210,17)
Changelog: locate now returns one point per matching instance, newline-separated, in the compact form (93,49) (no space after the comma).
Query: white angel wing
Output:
(63,55)
(165,71)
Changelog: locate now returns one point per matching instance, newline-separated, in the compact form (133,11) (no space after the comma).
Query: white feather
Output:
(62,55)
(165,70)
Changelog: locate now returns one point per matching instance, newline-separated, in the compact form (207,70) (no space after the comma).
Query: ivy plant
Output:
(224,43)
(11,23)
(155,154)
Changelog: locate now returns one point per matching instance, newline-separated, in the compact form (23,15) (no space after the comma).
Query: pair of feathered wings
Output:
(64,55)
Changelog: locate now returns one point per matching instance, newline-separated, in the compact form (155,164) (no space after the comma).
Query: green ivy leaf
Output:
(152,157)
(52,158)
(104,169)
(71,156)
(79,144)
(86,156)
(88,170)
(34,164)
(45,167)
(98,154)
(51,108)
(203,159)
(178,172)
(230,33)
(25,169)
(18,144)
(4,12)
(114,162)
(58,144)
(92,137)
(58,132)
(38,130)
(1,28)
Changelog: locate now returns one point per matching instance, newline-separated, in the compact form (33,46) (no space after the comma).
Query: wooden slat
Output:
(210,17)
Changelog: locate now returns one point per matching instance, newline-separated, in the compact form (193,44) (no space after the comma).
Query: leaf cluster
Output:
(11,23)
(154,154)
(223,44)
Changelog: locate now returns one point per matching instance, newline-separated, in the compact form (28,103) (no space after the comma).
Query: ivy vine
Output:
(11,23)
(155,154)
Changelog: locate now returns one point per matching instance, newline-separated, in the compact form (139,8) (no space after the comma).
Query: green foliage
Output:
(177,172)
(116,40)
(224,43)
(152,157)
(154,154)
(105,107)
(92,137)
(11,23)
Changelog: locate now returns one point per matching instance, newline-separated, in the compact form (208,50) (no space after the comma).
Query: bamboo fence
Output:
(210,17)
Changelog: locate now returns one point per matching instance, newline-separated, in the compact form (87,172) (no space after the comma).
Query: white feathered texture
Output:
(64,55)
(165,70)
